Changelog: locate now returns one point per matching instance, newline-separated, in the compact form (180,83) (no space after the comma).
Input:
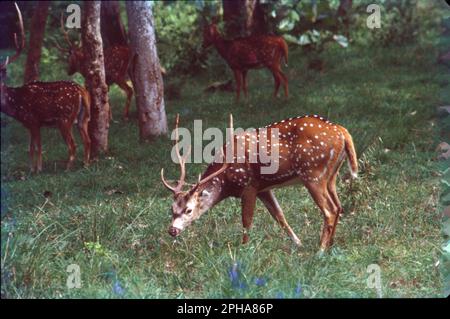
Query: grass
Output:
(111,219)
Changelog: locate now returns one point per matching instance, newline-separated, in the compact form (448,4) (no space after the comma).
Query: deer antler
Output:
(182,162)
(66,37)
(19,46)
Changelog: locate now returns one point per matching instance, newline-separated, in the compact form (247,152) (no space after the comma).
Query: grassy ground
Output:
(111,219)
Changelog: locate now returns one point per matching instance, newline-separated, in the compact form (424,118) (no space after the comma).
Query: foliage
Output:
(179,33)
(306,23)
(402,21)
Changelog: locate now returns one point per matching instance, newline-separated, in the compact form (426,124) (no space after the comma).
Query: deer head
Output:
(74,51)
(210,33)
(189,205)
(19,46)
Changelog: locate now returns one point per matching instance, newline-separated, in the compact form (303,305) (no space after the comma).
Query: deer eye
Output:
(188,211)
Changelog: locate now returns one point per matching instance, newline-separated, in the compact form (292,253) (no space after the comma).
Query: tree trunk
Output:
(242,17)
(37,30)
(344,15)
(232,17)
(145,70)
(113,32)
(95,77)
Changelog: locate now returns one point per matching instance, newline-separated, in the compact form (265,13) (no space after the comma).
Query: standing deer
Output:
(117,63)
(38,104)
(253,52)
(311,152)
(117,60)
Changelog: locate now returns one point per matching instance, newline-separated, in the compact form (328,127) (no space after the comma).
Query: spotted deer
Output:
(39,104)
(311,151)
(116,59)
(253,52)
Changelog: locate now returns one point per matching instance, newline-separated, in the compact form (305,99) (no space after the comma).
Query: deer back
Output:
(45,103)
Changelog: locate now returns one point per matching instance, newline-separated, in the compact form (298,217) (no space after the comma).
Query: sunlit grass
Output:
(111,218)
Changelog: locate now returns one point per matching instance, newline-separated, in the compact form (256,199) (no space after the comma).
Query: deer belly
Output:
(294,180)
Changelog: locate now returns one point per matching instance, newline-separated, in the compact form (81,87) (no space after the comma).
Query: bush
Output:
(179,34)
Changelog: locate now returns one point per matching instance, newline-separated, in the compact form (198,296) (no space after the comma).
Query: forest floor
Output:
(111,219)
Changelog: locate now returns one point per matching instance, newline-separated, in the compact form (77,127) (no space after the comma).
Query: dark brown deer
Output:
(311,151)
(38,104)
(243,54)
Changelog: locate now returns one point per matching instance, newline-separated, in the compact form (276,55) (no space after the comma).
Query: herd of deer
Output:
(311,149)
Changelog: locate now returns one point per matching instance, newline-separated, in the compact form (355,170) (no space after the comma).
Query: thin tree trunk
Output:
(113,32)
(95,77)
(37,31)
(232,17)
(146,70)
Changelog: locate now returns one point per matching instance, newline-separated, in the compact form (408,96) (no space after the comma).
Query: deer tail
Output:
(351,154)
(85,110)
(284,50)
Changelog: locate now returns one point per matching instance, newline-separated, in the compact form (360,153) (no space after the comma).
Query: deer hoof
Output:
(298,243)
(320,253)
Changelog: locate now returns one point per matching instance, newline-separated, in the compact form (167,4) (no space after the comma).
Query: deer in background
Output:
(117,63)
(117,60)
(38,104)
(311,152)
(253,52)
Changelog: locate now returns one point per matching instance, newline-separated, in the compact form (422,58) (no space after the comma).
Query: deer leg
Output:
(334,196)
(244,82)
(66,132)
(83,129)
(322,198)
(38,146)
(238,78)
(129,92)
(31,150)
(285,83)
(248,201)
(276,78)
(271,203)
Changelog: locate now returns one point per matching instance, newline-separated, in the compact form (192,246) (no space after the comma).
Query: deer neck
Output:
(221,46)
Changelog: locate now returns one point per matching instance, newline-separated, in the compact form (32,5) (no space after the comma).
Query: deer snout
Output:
(173,231)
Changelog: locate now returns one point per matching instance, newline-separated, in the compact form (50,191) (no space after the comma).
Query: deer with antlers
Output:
(310,151)
(117,60)
(243,54)
(39,104)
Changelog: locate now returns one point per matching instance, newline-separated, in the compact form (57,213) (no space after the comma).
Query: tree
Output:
(146,70)
(95,77)
(37,30)
(113,32)
(344,14)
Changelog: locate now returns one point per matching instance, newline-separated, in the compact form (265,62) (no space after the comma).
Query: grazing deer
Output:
(242,54)
(311,152)
(38,104)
